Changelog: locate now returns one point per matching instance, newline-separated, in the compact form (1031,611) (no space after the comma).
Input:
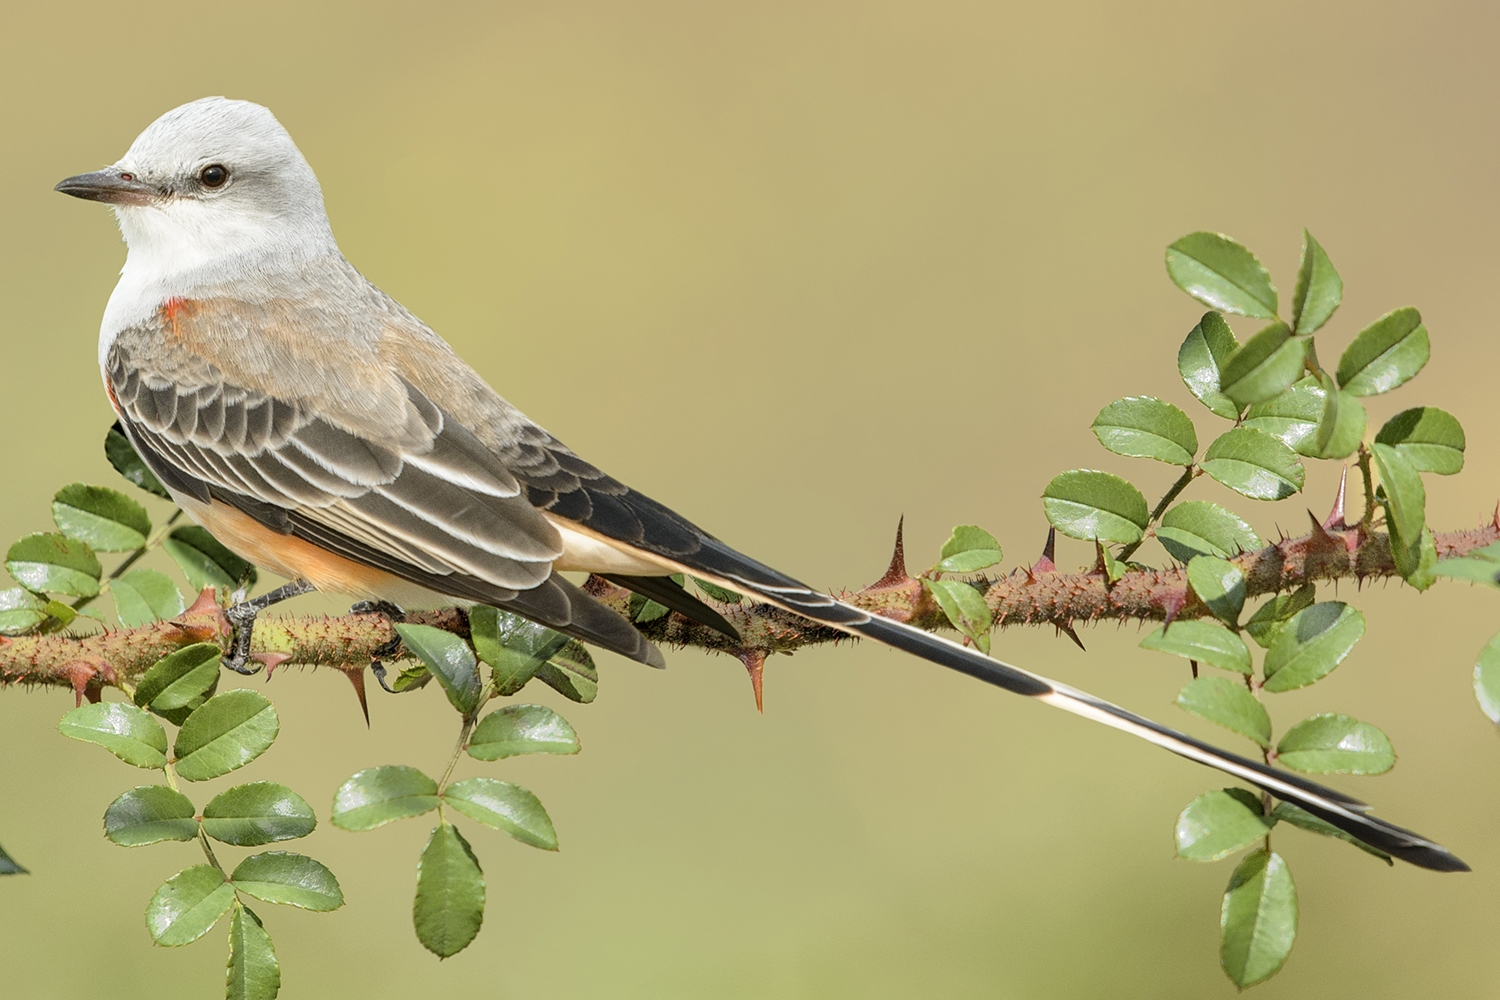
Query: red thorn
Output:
(271,660)
(80,674)
(357,678)
(205,603)
(1045,563)
(1173,602)
(1320,538)
(755,662)
(1335,520)
(1067,629)
(1495,521)
(894,576)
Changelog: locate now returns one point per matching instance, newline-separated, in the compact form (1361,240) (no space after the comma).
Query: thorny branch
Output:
(1040,595)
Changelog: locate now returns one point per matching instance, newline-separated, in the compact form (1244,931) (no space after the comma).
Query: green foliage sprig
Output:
(1283,409)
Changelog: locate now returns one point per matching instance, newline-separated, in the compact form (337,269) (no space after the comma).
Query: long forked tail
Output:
(1348,814)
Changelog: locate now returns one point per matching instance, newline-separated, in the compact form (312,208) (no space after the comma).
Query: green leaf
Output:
(1201,527)
(965,607)
(106,519)
(1096,506)
(284,877)
(261,812)
(205,561)
(1297,816)
(1227,703)
(122,729)
(571,672)
(1219,584)
(1265,367)
(378,795)
(503,806)
(1200,361)
(522,729)
(1254,463)
(1146,427)
(228,732)
(451,661)
(1259,920)
(51,562)
(1319,287)
(1417,561)
(1405,495)
(1479,566)
(9,865)
(1342,425)
(450,893)
(1487,679)
(1430,439)
(968,550)
(1113,568)
(1336,744)
(179,678)
(513,647)
(1266,624)
(1221,274)
(1385,354)
(253,972)
(21,611)
(644,609)
(1215,825)
(143,596)
(1292,416)
(149,814)
(1311,644)
(126,462)
(718,593)
(1205,642)
(187,905)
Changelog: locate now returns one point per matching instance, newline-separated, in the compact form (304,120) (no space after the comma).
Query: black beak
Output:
(110,185)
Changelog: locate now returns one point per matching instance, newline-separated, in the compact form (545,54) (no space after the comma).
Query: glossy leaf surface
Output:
(54,563)
(1258,922)
(1319,288)
(1219,584)
(1336,744)
(149,814)
(1201,527)
(284,877)
(1313,642)
(1096,505)
(522,729)
(1217,824)
(1293,416)
(1204,641)
(261,812)
(451,661)
(1146,427)
(1385,354)
(1200,362)
(188,905)
(253,972)
(450,893)
(227,732)
(146,595)
(1265,367)
(1254,463)
(124,730)
(179,678)
(503,806)
(378,795)
(1430,439)
(205,561)
(1222,274)
(969,549)
(1226,702)
(106,519)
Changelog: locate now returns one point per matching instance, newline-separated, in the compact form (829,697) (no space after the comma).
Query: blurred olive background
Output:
(798,269)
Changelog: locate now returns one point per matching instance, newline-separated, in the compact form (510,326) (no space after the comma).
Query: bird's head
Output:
(210,180)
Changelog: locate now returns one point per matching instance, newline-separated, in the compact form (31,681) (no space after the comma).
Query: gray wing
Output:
(424,499)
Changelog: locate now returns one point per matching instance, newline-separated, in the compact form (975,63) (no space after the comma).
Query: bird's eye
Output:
(213,175)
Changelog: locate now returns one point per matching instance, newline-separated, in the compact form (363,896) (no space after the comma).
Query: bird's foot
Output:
(395,615)
(242,617)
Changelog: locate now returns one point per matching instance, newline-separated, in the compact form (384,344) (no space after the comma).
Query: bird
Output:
(319,429)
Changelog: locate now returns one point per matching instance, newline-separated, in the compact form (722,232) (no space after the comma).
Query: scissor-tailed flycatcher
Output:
(320,430)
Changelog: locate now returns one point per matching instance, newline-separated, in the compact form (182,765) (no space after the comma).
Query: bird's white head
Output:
(211,191)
